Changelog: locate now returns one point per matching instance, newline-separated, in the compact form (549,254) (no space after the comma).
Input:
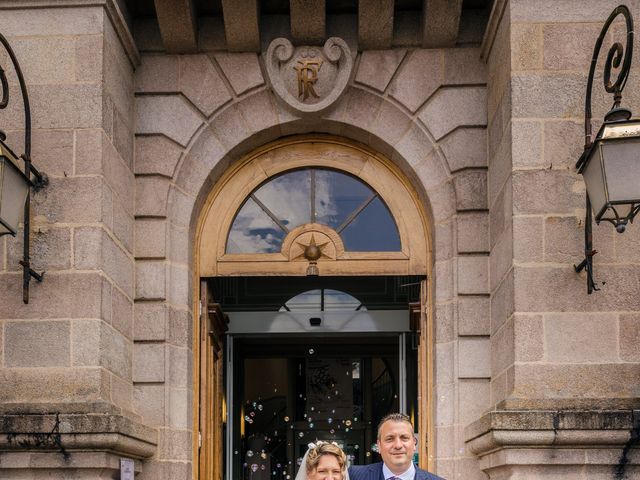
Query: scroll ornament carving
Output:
(309,79)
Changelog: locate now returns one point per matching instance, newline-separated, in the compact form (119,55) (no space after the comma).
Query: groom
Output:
(396,444)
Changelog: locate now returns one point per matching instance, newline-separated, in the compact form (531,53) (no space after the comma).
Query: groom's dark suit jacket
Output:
(374,472)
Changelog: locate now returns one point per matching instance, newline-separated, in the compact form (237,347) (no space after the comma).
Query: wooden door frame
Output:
(417,244)
(211,328)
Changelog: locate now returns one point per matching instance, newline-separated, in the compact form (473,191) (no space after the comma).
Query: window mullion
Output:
(270,213)
(356,212)
(312,191)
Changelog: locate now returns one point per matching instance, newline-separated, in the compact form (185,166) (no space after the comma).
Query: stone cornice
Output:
(112,8)
(508,429)
(69,432)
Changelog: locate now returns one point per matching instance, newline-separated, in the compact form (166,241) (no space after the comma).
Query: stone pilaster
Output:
(68,353)
(552,344)
(564,383)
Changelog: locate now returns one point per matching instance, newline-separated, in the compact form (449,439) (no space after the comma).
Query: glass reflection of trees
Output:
(313,195)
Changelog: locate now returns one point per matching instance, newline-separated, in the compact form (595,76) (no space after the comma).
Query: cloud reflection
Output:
(288,198)
(254,232)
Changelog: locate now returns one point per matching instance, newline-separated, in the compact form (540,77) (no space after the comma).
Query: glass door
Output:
(290,390)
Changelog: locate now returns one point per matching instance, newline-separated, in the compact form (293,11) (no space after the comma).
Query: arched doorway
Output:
(288,223)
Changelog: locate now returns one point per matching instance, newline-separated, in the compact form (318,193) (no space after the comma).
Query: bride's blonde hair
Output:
(323,448)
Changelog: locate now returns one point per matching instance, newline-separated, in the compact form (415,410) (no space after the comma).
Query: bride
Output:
(323,461)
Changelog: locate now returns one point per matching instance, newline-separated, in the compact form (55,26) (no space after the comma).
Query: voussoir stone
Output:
(258,111)
(471,189)
(465,148)
(454,107)
(156,154)
(157,73)
(376,67)
(230,127)
(151,196)
(201,83)
(241,69)
(158,114)
(464,65)
(419,77)
(390,124)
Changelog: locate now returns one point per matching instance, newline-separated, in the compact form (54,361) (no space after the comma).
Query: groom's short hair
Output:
(393,417)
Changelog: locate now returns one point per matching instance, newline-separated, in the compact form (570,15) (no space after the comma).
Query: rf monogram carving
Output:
(308,79)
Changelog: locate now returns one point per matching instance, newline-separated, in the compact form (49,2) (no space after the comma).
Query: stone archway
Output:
(194,161)
(303,155)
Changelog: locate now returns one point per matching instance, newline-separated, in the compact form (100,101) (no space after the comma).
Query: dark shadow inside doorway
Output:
(287,389)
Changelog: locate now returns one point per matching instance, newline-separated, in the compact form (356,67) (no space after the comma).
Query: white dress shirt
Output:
(409,474)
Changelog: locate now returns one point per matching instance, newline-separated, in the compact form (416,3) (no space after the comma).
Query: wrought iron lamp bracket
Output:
(617,54)
(37,179)
(618,57)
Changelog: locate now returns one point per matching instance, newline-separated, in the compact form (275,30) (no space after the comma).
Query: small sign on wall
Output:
(126,469)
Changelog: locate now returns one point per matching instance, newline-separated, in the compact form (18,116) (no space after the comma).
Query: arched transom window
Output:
(313,205)
(336,200)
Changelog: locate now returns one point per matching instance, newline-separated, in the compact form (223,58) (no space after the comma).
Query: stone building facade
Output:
(142,111)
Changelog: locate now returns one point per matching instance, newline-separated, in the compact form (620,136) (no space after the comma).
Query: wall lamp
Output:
(610,163)
(16,183)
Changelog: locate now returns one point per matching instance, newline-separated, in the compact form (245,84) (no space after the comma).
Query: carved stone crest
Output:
(309,79)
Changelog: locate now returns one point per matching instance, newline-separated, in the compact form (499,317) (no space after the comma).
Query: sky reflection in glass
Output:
(254,232)
(325,300)
(323,196)
(373,230)
(337,196)
(287,196)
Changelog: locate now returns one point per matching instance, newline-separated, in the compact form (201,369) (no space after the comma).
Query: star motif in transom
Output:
(311,250)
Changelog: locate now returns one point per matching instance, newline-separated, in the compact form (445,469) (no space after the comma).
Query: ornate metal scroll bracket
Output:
(618,57)
(36,179)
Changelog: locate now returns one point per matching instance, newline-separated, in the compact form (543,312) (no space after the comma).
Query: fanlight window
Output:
(313,195)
